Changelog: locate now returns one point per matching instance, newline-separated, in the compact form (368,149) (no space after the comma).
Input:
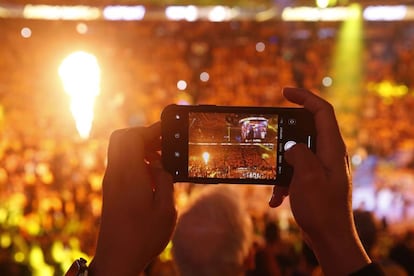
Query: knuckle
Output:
(116,135)
(312,175)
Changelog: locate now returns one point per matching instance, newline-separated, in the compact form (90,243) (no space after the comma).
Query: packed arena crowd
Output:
(232,161)
(50,179)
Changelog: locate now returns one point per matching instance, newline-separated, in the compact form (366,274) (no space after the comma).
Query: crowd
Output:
(50,180)
(232,162)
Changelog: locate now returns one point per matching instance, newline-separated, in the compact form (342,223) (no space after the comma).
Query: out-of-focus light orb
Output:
(181,84)
(82,28)
(325,3)
(327,81)
(3,217)
(5,240)
(260,46)
(58,251)
(356,159)
(204,76)
(322,3)
(217,14)
(3,177)
(26,32)
(19,257)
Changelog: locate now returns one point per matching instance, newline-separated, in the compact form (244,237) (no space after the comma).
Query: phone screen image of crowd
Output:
(232,145)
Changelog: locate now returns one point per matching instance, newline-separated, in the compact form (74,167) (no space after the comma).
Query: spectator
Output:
(402,252)
(216,222)
(276,257)
(368,231)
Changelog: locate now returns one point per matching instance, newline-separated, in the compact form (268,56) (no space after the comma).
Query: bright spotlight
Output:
(346,73)
(80,74)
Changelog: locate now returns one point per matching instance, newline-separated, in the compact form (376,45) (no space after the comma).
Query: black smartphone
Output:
(229,144)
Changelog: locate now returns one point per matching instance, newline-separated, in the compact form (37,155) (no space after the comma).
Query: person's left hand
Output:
(138,213)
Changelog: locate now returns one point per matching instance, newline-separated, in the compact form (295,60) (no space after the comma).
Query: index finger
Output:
(330,145)
(152,137)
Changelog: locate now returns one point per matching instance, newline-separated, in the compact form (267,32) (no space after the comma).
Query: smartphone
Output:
(232,144)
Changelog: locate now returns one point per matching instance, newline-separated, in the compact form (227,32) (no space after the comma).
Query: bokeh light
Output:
(204,76)
(181,84)
(260,46)
(82,28)
(26,32)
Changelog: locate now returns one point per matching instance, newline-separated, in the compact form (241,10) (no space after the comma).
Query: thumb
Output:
(307,168)
(300,157)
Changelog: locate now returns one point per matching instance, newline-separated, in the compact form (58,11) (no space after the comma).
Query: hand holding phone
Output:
(228,144)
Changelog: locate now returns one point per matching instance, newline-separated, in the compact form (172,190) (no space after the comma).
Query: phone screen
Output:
(232,145)
(227,144)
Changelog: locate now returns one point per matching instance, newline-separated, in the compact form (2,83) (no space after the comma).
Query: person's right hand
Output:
(320,190)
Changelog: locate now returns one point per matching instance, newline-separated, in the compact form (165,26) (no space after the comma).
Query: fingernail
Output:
(287,89)
(276,201)
(272,201)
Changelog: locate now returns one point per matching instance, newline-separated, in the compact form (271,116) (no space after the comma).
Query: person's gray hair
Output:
(214,233)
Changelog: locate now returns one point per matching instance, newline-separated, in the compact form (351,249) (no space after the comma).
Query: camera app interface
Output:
(232,146)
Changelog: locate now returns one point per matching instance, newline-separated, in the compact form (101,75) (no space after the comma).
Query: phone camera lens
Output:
(177,135)
(176,154)
(292,121)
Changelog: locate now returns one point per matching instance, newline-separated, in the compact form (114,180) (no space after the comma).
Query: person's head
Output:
(213,235)
(272,232)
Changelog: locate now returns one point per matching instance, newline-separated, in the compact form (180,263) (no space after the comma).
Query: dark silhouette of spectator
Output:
(276,257)
(308,264)
(368,231)
(403,253)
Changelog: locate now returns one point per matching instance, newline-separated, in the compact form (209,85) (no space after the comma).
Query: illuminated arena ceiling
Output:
(212,10)
(240,3)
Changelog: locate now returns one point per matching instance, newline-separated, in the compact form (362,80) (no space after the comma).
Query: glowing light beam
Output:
(347,73)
